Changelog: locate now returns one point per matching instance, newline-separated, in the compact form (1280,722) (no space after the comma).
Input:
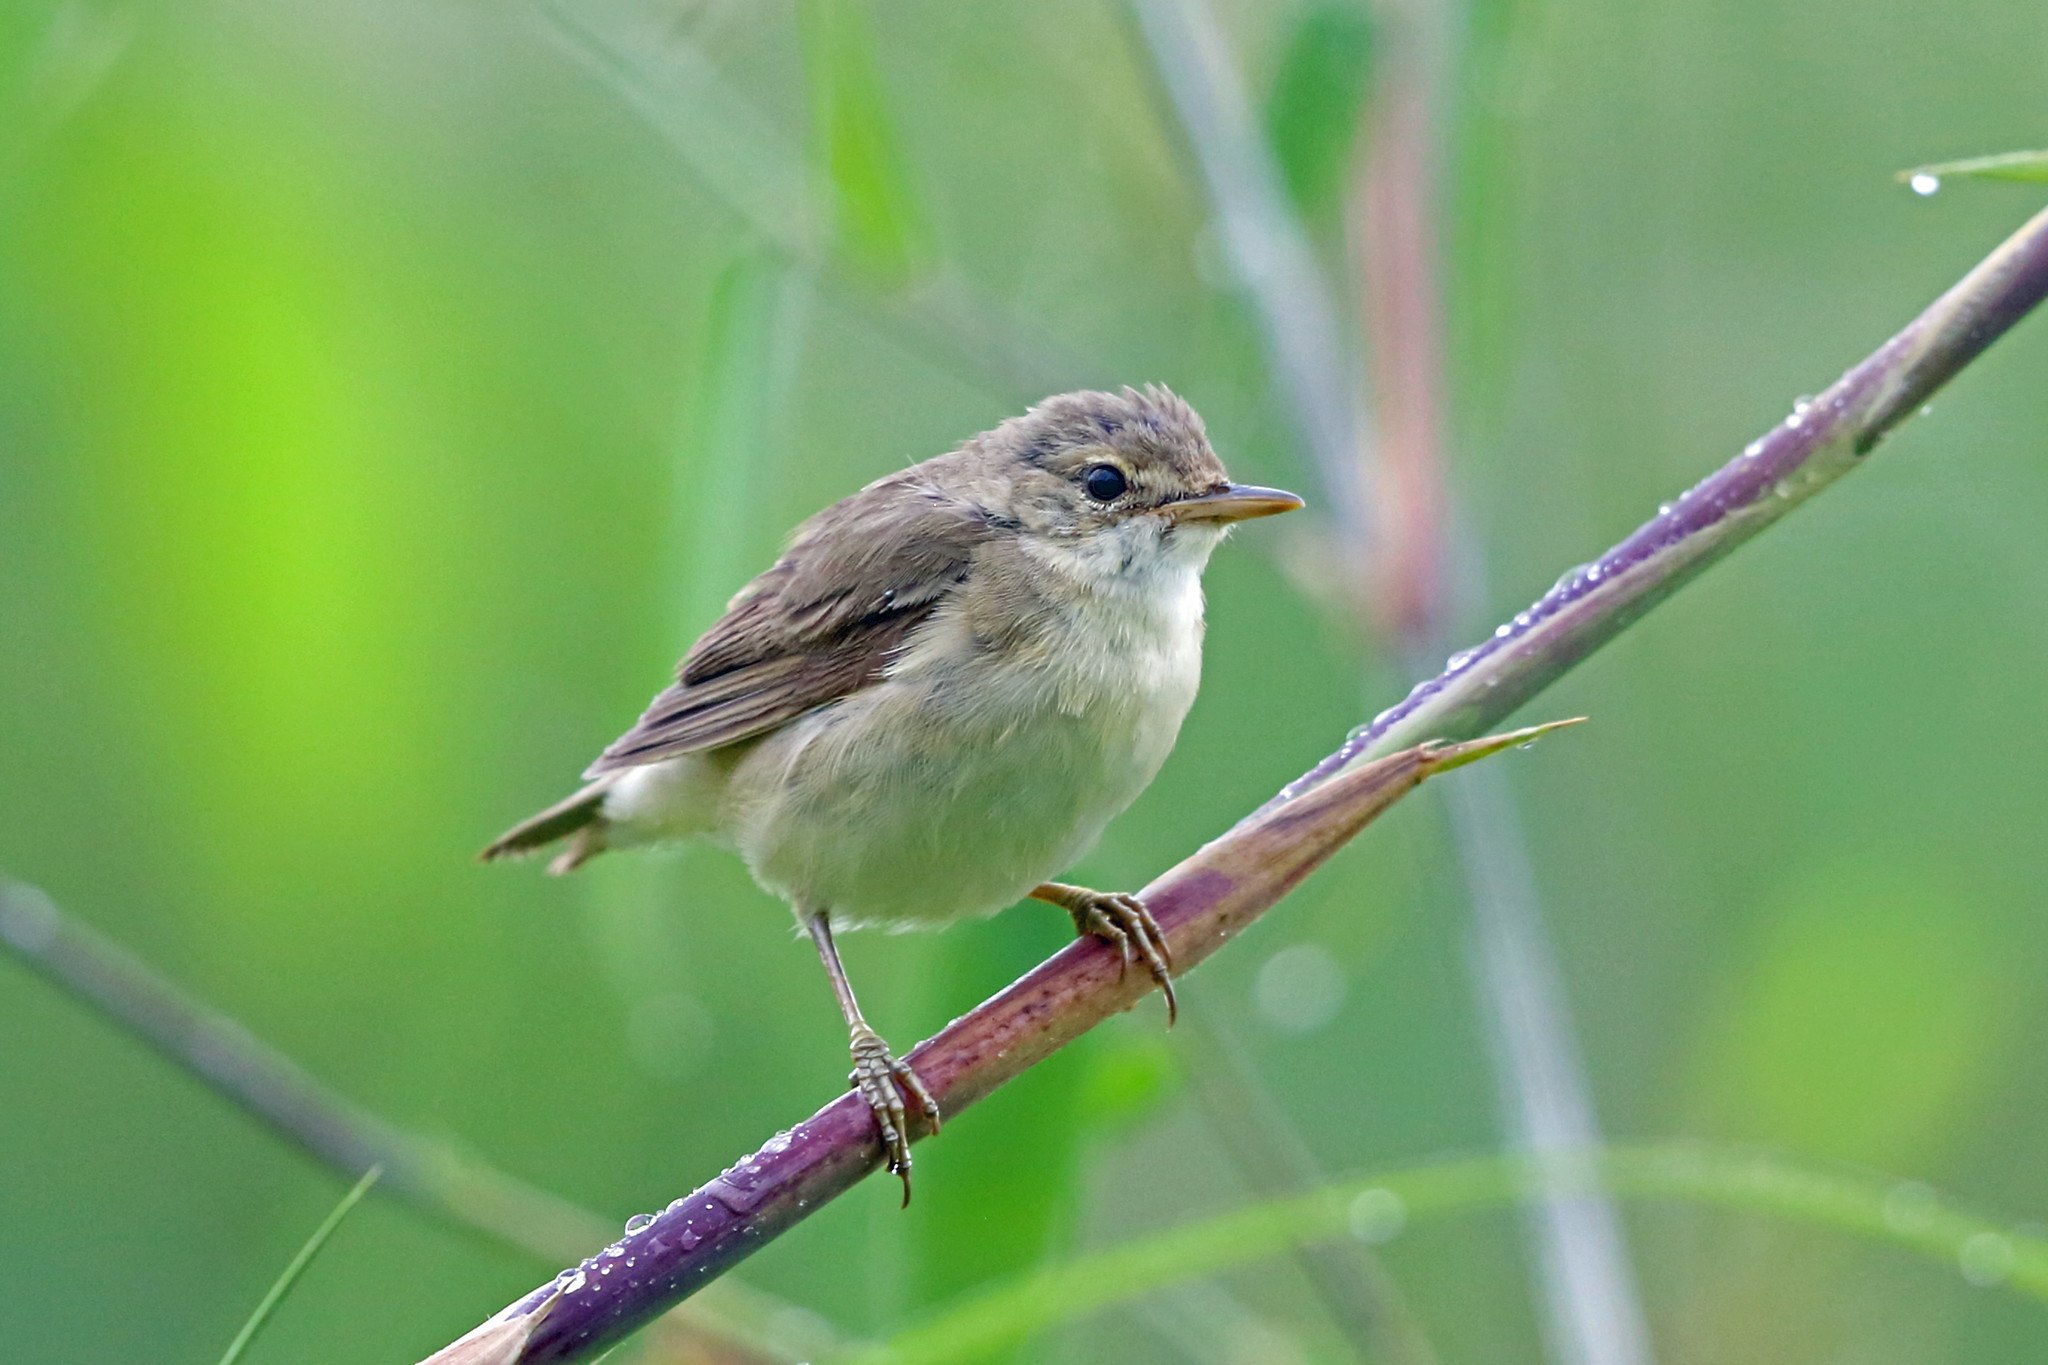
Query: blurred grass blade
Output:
(298,1265)
(1266,246)
(2027,166)
(62,69)
(1312,114)
(880,224)
(737,154)
(1376,1208)
(731,436)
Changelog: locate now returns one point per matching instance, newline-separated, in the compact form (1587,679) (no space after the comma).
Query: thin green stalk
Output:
(2023,166)
(1898,1213)
(297,1267)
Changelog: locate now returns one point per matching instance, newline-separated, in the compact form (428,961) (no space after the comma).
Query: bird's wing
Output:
(823,622)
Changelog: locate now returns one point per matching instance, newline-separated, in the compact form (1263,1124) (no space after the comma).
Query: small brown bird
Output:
(940,694)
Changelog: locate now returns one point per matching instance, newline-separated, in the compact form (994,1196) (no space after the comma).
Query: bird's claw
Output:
(891,1090)
(1123,921)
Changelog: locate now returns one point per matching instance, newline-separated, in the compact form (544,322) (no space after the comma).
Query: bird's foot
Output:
(1123,921)
(892,1091)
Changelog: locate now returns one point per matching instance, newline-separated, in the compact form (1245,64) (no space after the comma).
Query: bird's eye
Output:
(1104,483)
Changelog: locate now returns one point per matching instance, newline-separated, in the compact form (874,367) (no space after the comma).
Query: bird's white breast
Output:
(971,773)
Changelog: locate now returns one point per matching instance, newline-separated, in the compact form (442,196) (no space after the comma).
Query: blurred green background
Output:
(391,391)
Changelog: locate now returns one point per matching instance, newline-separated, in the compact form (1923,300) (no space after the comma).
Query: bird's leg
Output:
(1125,923)
(888,1086)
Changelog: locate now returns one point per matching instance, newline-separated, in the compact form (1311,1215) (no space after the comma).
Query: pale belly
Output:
(931,797)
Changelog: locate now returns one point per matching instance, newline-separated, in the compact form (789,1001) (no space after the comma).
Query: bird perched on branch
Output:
(940,694)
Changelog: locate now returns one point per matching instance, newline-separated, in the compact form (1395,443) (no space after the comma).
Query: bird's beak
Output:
(1232,502)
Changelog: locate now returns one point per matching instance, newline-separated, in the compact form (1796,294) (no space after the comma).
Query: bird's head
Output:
(1116,483)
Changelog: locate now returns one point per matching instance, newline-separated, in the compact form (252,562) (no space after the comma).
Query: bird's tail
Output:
(579,819)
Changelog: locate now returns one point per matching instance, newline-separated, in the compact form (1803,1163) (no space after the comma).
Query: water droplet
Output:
(1802,403)
(1592,573)
(604,1269)
(778,1144)
(1986,1258)
(1924,184)
(1664,509)
(1796,420)
(1752,450)
(737,1198)
(577,1279)
(1502,631)
(638,1221)
(1927,409)
(1377,1215)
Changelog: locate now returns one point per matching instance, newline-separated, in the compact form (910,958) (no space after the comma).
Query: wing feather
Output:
(822,622)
